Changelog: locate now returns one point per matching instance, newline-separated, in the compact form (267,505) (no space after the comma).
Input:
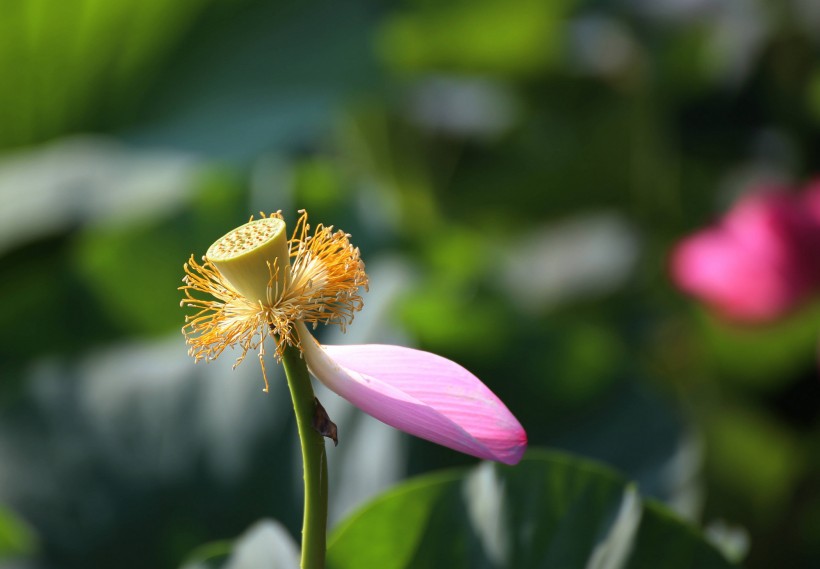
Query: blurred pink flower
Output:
(760,261)
(421,394)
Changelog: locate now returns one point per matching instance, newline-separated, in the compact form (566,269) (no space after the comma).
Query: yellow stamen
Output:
(256,292)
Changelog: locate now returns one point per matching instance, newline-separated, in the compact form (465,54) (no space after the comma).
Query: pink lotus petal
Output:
(421,394)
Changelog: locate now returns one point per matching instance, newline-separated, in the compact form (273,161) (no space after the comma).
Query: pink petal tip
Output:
(421,394)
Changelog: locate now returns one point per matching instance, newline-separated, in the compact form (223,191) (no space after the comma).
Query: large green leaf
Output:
(81,65)
(550,511)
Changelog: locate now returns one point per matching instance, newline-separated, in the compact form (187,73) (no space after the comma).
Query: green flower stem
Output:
(314,462)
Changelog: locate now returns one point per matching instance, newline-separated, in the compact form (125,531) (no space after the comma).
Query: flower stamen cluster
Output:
(314,279)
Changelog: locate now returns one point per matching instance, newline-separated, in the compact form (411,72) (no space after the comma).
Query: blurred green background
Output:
(515,173)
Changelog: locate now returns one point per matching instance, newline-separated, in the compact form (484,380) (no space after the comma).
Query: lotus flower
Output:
(259,284)
(760,261)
